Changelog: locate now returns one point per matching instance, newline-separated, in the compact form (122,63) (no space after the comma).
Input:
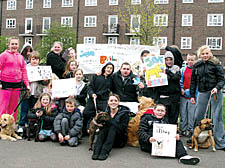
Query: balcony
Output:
(39,30)
(26,33)
(111,30)
(129,31)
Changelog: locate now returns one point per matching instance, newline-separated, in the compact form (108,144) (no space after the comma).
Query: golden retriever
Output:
(7,126)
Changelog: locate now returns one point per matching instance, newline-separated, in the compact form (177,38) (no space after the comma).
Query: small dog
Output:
(33,129)
(203,136)
(101,118)
(7,126)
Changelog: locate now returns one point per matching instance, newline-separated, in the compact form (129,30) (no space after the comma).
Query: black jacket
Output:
(81,98)
(207,76)
(57,63)
(178,60)
(75,122)
(127,91)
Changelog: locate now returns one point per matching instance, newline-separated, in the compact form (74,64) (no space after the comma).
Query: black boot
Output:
(103,155)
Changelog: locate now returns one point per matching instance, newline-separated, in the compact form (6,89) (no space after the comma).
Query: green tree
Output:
(64,34)
(139,19)
(3,44)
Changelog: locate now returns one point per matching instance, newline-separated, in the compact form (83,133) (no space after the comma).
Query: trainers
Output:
(189,160)
(94,156)
(20,130)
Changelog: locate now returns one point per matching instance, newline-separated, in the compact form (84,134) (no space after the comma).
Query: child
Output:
(26,52)
(32,97)
(187,109)
(68,124)
(71,66)
(45,111)
(145,133)
(12,71)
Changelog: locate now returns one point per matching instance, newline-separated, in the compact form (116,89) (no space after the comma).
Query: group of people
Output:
(67,119)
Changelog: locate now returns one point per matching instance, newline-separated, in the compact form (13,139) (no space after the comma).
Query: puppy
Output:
(7,125)
(202,136)
(101,118)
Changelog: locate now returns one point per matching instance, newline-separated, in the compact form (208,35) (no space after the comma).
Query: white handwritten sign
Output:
(63,87)
(92,57)
(37,73)
(165,144)
(155,71)
(133,106)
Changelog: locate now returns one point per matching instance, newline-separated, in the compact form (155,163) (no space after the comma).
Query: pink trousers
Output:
(9,101)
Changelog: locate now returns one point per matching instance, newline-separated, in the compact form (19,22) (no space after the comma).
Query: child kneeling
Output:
(145,133)
(68,124)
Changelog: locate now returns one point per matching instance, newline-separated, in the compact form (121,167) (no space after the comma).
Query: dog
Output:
(7,125)
(101,118)
(133,125)
(203,136)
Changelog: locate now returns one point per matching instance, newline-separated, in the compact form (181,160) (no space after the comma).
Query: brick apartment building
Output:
(188,24)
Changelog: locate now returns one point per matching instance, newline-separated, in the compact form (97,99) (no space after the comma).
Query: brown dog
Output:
(101,118)
(7,125)
(202,136)
(145,104)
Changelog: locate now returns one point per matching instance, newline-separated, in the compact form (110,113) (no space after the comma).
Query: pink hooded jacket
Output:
(13,68)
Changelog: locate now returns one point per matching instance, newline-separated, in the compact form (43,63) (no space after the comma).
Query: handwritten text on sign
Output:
(37,73)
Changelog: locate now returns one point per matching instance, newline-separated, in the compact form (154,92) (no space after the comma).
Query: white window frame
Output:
(89,40)
(113,2)
(134,41)
(28,31)
(112,27)
(161,1)
(187,1)
(28,40)
(29,4)
(132,28)
(158,41)
(67,21)
(215,1)
(112,40)
(47,3)
(186,43)
(135,2)
(67,3)
(218,43)
(158,17)
(187,19)
(43,24)
(90,21)
(214,21)
(11,4)
(91,2)
(11,23)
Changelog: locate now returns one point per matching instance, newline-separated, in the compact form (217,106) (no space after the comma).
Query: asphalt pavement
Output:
(30,154)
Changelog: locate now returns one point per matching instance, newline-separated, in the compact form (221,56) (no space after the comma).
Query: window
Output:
(67,3)
(215,20)
(135,23)
(161,20)
(135,2)
(186,42)
(28,40)
(134,41)
(90,21)
(46,24)
(187,1)
(112,23)
(113,2)
(112,40)
(158,41)
(90,2)
(67,21)
(11,4)
(214,43)
(215,1)
(10,23)
(161,1)
(29,4)
(46,3)
(28,25)
(186,19)
(89,40)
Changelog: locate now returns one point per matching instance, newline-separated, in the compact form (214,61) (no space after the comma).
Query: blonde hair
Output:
(201,49)
(67,68)
(78,69)
(13,38)
(47,108)
(35,54)
(56,42)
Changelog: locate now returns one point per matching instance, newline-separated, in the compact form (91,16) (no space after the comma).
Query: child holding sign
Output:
(145,133)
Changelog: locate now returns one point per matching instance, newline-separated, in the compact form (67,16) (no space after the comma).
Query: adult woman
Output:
(208,75)
(114,133)
(55,60)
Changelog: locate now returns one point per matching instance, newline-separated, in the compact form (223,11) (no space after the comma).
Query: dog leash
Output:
(208,105)
(95,106)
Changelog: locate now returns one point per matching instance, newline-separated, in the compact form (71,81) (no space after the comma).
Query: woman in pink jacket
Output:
(12,71)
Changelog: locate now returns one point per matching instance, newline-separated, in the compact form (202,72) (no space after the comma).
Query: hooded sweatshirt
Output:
(22,50)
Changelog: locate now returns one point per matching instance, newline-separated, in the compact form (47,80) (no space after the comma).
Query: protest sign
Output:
(37,73)
(155,71)
(63,87)
(93,57)
(133,106)
(165,144)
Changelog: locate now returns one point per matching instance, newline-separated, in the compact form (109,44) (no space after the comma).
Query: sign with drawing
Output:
(165,144)
(63,87)
(155,71)
(38,73)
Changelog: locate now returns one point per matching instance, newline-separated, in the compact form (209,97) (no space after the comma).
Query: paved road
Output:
(30,154)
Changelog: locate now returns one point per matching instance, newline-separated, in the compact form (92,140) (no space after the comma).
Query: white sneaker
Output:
(189,160)
(20,130)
